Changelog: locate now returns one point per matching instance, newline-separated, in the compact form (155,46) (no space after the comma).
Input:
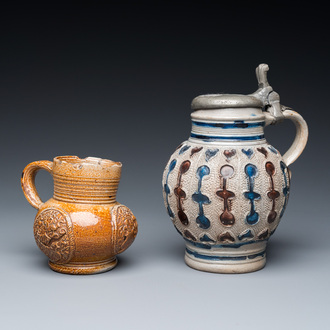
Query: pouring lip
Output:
(93,161)
(222,101)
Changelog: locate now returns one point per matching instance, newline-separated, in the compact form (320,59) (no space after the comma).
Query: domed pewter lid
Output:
(264,98)
(220,101)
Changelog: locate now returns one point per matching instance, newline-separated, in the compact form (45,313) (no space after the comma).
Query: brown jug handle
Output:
(28,181)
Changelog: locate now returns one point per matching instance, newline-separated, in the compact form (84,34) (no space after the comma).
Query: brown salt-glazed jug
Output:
(82,228)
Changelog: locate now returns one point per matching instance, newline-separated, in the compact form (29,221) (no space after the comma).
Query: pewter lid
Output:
(220,101)
(264,97)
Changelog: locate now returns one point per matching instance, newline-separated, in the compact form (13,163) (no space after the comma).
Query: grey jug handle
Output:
(276,112)
(300,139)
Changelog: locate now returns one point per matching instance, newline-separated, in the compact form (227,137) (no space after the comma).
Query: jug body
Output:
(82,228)
(226,188)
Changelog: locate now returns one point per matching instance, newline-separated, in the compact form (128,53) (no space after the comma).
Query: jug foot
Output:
(234,258)
(84,269)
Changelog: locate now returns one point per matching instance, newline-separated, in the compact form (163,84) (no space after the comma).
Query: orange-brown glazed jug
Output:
(82,228)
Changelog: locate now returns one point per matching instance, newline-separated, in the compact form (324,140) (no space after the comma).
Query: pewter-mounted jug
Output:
(226,188)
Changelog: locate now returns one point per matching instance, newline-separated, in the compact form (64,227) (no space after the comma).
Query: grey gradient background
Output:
(116,82)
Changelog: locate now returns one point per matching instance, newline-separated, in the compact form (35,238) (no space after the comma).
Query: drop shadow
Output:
(282,251)
(175,251)
(279,251)
(167,253)
(126,262)
(34,259)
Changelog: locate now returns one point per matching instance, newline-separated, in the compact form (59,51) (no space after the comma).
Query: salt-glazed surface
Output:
(226,188)
(82,227)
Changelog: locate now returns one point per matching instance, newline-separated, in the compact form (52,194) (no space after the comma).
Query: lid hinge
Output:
(266,94)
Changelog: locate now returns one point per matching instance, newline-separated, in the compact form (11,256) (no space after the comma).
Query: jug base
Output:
(84,269)
(227,260)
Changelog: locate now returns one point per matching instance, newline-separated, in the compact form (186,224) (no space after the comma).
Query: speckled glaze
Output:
(82,228)
(226,188)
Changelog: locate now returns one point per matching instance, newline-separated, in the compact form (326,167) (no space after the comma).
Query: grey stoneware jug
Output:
(226,188)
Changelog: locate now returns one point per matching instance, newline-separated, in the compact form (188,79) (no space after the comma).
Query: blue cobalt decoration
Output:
(209,138)
(183,149)
(236,124)
(206,238)
(248,152)
(210,153)
(201,199)
(245,234)
(224,258)
(286,188)
(251,171)
(167,188)
(273,150)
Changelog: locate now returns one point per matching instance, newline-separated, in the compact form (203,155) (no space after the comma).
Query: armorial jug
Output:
(82,227)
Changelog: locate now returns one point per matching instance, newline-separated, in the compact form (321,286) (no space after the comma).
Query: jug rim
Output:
(94,161)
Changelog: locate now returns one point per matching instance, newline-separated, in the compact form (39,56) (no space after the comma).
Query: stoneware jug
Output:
(82,228)
(226,188)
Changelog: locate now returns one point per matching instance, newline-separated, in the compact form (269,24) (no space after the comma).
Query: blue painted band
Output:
(225,258)
(227,138)
(236,124)
(229,245)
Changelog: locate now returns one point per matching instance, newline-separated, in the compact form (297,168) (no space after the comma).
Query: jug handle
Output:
(300,139)
(28,181)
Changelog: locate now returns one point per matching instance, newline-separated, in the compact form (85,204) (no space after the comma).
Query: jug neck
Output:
(90,180)
(72,189)
(228,127)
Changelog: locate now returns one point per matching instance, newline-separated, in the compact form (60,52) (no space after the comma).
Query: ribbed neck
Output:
(84,190)
(229,131)
(89,180)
